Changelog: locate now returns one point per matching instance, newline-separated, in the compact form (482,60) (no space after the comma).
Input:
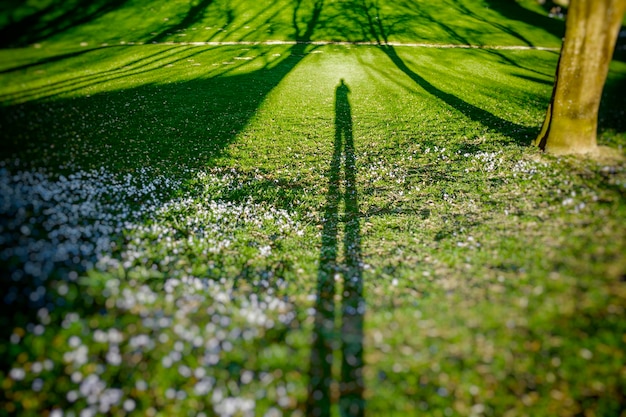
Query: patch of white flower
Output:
(75,220)
(50,221)
(469,242)
(484,161)
(90,219)
(229,319)
(379,173)
(527,168)
(576,202)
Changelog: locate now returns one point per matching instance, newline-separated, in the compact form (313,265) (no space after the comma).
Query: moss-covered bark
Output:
(591,31)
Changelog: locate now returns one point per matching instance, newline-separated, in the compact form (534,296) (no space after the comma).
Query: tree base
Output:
(600,154)
(568,150)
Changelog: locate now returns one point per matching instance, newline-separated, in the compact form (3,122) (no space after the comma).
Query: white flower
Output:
(17,374)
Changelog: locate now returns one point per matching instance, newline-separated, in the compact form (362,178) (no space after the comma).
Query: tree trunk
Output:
(591,31)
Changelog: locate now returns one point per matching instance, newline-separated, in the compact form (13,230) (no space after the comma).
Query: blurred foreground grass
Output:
(174,217)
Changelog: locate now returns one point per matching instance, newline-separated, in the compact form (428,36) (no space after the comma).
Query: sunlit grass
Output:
(164,210)
(457,22)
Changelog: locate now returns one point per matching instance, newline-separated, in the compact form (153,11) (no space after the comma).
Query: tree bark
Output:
(591,31)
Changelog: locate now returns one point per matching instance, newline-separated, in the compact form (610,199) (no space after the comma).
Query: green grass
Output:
(69,24)
(187,230)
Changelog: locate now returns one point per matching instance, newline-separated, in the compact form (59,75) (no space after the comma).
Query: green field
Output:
(224,208)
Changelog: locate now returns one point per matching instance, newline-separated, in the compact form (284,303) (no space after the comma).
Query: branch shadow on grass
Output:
(171,128)
(514,11)
(518,133)
(34,25)
(377,27)
(195,14)
(348,337)
(161,124)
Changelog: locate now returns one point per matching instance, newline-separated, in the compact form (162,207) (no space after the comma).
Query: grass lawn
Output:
(273,229)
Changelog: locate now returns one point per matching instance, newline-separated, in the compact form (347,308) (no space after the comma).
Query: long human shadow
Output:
(348,337)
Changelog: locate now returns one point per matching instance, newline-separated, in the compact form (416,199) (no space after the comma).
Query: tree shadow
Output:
(304,20)
(375,25)
(514,11)
(196,13)
(171,128)
(53,59)
(183,124)
(348,337)
(518,133)
(144,64)
(611,112)
(56,17)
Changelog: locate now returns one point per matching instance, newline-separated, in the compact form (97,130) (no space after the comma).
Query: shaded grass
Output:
(492,275)
(136,121)
(188,122)
(53,24)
